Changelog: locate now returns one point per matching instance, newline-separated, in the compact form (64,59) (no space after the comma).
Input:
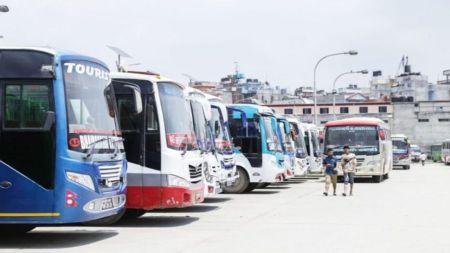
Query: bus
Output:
(165,167)
(401,151)
(259,154)
(284,133)
(223,145)
(311,133)
(61,152)
(446,152)
(202,115)
(369,139)
(436,152)
(298,140)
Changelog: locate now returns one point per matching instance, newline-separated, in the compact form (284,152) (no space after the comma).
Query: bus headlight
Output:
(177,181)
(82,179)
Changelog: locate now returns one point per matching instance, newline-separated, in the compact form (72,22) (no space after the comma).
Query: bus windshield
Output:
(400,146)
(88,115)
(199,124)
(286,138)
(299,140)
(221,135)
(273,144)
(363,140)
(177,119)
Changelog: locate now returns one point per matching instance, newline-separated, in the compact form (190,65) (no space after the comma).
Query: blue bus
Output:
(259,154)
(61,154)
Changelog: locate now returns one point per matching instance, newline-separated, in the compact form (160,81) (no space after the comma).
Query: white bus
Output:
(311,134)
(301,154)
(401,151)
(368,138)
(446,152)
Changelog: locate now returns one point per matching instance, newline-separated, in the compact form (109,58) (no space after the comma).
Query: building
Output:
(325,112)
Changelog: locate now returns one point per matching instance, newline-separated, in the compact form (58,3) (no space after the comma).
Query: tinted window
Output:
(26,106)
(24,64)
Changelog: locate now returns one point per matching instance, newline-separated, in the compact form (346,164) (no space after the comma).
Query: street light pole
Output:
(351,52)
(364,71)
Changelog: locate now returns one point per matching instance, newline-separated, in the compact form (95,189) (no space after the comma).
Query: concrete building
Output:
(304,112)
(425,122)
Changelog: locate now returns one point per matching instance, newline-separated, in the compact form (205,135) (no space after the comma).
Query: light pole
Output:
(364,71)
(351,52)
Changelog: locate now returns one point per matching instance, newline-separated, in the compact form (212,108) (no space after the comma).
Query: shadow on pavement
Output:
(215,200)
(192,209)
(55,239)
(261,192)
(150,221)
(276,187)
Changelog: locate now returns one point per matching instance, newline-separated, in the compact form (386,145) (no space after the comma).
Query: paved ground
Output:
(410,212)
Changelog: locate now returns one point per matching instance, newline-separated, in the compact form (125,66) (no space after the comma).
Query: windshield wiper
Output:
(116,146)
(92,146)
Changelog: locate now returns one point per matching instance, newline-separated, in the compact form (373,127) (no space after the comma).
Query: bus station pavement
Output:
(409,212)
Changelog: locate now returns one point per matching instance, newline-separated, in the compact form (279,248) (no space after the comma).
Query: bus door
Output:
(27,148)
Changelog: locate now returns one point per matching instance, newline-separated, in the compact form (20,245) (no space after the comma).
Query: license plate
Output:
(107,204)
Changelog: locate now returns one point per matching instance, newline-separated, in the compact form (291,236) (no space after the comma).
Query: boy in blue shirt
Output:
(329,165)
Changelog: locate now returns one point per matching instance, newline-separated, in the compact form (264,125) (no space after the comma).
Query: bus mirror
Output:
(137,98)
(382,134)
(49,120)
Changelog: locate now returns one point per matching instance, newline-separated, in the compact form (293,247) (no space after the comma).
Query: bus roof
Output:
(143,76)
(55,52)
(399,136)
(251,109)
(363,121)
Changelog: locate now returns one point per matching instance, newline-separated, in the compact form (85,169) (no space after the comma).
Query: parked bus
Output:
(165,167)
(436,152)
(201,115)
(62,158)
(259,156)
(446,152)
(298,140)
(368,138)
(415,153)
(284,132)
(401,151)
(223,146)
(311,134)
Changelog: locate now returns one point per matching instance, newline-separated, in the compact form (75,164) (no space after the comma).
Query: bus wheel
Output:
(15,229)
(241,183)
(134,213)
(107,221)
(377,179)
(406,167)
(386,176)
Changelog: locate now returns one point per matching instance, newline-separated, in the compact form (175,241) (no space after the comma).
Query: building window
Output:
(444,120)
(343,109)
(324,110)
(382,108)
(424,120)
(288,111)
(363,109)
(307,110)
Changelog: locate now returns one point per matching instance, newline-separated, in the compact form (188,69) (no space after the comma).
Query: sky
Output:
(278,41)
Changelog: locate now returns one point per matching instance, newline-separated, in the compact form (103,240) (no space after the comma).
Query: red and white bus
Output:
(369,139)
(165,164)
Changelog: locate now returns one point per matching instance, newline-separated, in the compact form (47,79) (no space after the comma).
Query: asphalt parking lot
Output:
(407,213)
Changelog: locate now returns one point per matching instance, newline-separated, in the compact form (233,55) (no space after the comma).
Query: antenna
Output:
(120,53)
(191,79)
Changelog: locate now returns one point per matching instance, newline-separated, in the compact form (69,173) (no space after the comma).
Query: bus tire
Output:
(107,221)
(241,183)
(406,167)
(15,229)
(377,179)
(133,213)
(386,176)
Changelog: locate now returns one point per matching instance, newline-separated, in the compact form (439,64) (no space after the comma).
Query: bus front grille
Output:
(110,175)
(195,171)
